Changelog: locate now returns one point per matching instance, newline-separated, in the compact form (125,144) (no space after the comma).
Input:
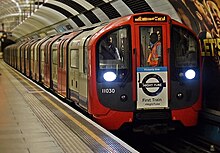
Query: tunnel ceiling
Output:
(22,17)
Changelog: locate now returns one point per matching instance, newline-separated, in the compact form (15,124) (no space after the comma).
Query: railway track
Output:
(185,144)
(177,142)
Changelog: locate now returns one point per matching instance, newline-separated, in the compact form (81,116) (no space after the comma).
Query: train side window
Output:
(26,53)
(55,56)
(32,55)
(35,54)
(85,55)
(46,55)
(74,58)
(42,55)
(61,61)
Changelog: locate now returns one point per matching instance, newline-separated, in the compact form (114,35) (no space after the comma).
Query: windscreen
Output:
(113,50)
(114,53)
(185,48)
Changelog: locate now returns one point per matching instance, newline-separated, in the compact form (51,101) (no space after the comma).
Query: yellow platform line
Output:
(88,131)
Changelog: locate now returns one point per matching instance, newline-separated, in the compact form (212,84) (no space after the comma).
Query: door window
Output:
(151,46)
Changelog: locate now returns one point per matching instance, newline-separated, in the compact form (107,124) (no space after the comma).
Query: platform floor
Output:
(34,121)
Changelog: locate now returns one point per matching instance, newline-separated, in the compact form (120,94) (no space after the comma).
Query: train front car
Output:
(144,69)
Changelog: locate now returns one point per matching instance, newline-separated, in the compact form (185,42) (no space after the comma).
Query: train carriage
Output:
(78,67)
(141,70)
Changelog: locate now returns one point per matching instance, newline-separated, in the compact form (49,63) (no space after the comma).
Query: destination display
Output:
(150,18)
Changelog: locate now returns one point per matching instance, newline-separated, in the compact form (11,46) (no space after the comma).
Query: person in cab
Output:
(109,51)
(154,58)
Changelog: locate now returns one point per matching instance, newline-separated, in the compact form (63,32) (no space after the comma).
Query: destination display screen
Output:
(150,18)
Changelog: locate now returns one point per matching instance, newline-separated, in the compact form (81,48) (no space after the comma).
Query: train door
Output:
(61,69)
(18,57)
(83,67)
(32,70)
(62,66)
(73,69)
(48,62)
(151,71)
(42,59)
(32,57)
(24,57)
(54,63)
(13,57)
(74,64)
(37,59)
(27,59)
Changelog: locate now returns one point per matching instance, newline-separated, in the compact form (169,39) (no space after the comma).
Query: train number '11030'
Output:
(108,91)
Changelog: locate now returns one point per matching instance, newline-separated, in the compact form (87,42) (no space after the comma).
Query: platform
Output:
(34,121)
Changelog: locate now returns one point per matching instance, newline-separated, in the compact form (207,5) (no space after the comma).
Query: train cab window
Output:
(151,46)
(114,51)
(184,47)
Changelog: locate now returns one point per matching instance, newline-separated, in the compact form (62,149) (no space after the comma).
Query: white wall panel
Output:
(122,8)
(163,6)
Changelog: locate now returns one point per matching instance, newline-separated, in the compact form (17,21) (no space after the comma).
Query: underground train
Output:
(142,70)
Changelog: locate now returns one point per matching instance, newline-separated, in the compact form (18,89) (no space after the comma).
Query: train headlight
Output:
(109,76)
(190,74)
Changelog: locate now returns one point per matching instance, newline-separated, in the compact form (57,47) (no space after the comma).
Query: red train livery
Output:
(142,70)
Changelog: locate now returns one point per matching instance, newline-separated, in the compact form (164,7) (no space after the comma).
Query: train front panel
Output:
(137,73)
